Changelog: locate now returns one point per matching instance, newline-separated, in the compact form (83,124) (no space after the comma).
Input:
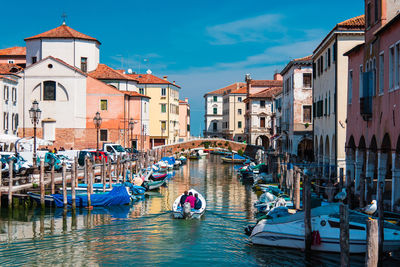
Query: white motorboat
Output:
(186,212)
(288,231)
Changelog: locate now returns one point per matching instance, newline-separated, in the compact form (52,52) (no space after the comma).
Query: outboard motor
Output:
(186,210)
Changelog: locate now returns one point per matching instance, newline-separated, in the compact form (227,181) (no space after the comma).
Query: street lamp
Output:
(34,114)
(97,122)
(131,125)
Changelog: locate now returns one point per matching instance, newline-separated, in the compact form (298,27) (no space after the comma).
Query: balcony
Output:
(366,99)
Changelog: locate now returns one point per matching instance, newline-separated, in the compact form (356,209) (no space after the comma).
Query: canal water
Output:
(145,234)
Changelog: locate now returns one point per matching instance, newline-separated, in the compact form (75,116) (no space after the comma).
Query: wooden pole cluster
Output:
(41,181)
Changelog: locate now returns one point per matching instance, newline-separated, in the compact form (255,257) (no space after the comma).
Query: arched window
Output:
(49,90)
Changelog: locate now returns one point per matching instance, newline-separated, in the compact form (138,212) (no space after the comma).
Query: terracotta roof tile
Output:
(241,90)
(13,51)
(8,68)
(132,93)
(307,58)
(266,83)
(227,88)
(3,77)
(267,93)
(356,22)
(104,72)
(62,31)
(149,79)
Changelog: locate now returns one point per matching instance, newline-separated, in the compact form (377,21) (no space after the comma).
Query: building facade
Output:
(233,109)
(13,55)
(373,140)
(296,105)
(330,68)
(184,120)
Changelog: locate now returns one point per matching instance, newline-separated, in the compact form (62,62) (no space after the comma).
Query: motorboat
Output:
(185,211)
(158,176)
(288,231)
(236,159)
(152,185)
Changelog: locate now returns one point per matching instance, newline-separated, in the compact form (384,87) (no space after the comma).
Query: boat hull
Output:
(194,214)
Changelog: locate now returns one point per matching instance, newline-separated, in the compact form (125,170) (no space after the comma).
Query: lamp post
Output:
(131,125)
(97,122)
(34,114)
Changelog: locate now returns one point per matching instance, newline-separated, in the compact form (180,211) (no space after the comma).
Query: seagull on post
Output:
(371,208)
(341,195)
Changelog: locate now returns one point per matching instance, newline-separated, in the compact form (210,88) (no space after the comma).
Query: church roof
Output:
(13,51)
(104,72)
(63,31)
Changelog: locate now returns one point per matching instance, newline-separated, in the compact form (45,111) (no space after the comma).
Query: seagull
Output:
(341,195)
(370,209)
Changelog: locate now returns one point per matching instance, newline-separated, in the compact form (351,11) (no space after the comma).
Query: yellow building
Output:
(164,107)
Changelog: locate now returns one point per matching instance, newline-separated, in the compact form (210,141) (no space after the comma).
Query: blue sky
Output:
(202,45)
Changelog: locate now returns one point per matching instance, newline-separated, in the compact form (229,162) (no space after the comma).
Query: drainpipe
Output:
(168,114)
(335,106)
(124,116)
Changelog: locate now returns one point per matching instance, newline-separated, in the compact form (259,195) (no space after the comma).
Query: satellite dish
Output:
(129,71)
(149,71)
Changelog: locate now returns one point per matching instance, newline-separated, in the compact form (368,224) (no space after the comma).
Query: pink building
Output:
(373,120)
(184,120)
(13,55)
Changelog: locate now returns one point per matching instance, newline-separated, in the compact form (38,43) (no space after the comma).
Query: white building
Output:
(296,106)
(233,110)
(330,72)
(214,110)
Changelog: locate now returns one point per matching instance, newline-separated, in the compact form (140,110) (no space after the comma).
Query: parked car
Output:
(20,166)
(115,150)
(94,156)
(50,160)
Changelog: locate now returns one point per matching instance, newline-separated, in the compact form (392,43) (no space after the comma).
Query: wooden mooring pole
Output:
(124,172)
(371,255)
(362,190)
(381,237)
(85,172)
(109,173)
(89,185)
(73,181)
(41,182)
(307,213)
(52,180)
(297,191)
(64,185)
(103,173)
(344,235)
(10,182)
(1,184)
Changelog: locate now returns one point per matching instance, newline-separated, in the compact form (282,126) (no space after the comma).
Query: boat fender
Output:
(316,238)
(248,230)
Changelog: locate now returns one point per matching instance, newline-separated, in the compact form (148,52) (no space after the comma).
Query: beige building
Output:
(330,79)
(184,120)
(164,107)
(233,114)
(296,121)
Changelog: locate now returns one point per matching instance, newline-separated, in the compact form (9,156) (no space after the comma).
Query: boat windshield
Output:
(119,148)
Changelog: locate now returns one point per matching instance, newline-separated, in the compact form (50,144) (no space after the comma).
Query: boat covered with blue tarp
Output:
(170,160)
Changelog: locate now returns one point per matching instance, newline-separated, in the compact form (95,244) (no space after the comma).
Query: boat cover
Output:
(117,196)
(95,186)
(170,160)
(135,189)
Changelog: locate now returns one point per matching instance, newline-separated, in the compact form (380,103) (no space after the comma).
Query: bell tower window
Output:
(49,91)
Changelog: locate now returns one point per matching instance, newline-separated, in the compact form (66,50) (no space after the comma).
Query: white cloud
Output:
(255,29)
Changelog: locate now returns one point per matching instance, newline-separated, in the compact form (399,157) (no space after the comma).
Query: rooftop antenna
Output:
(64,16)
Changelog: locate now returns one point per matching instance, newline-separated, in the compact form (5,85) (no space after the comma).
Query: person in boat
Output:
(191,199)
(197,204)
(183,198)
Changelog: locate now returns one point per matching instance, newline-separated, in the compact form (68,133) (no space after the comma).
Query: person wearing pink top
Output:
(191,199)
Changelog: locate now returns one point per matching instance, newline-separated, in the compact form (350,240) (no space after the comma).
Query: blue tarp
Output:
(135,189)
(95,185)
(117,196)
(236,156)
(170,160)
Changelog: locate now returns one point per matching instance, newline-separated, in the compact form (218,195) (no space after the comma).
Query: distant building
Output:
(260,119)
(373,120)
(13,55)
(296,120)
(330,69)
(233,110)
(184,120)
(213,116)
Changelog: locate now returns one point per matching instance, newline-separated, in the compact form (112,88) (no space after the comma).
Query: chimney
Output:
(173,82)
(248,84)
(165,77)
(186,100)
(278,77)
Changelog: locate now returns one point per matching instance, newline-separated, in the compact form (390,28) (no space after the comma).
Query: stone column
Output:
(358,164)
(382,159)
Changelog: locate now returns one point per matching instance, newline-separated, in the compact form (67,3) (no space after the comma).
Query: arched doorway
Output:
(396,179)
(305,150)
(263,141)
(350,158)
(316,148)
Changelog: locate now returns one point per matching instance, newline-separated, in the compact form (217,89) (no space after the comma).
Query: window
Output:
(306,113)
(350,91)
(247,106)
(334,52)
(163,108)
(326,107)
(11,61)
(307,80)
(314,70)
(239,99)
(215,126)
(360,82)
(262,122)
(163,125)
(16,122)
(5,121)
(368,14)
(329,57)
(391,68)
(103,104)
(240,111)
(84,64)
(49,130)
(49,91)
(322,64)
(145,107)
(14,95)
(262,103)
(6,93)
(141,91)
(215,98)
(397,66)
(381,73)
(34,60)
(373,89)
(376,10)
(103,134)
(215,111)
(239,124)
(163,91)
(329,103)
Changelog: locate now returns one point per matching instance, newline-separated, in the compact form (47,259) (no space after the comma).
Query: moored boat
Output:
(236,159)
(181,212)
(152,185)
